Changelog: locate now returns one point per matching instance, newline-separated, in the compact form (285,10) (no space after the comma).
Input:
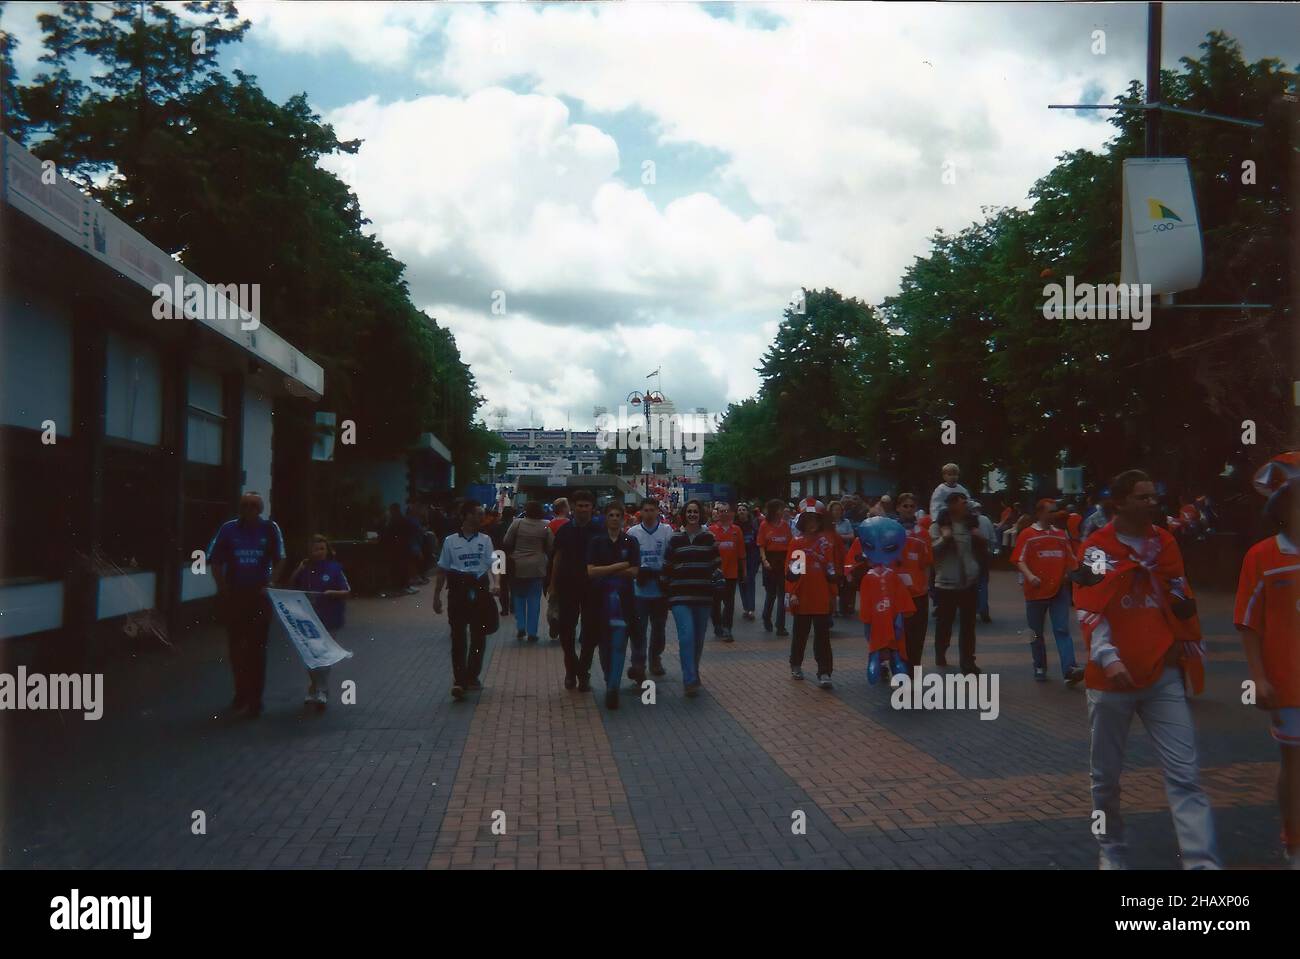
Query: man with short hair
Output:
(612,565)
(1144,652)
(652,538)
(246,555)
(569,584)
(955,541)
(466,564)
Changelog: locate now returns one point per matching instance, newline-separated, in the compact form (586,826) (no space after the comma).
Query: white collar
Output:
(1285,545)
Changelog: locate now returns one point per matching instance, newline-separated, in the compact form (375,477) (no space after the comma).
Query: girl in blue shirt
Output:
(322,576)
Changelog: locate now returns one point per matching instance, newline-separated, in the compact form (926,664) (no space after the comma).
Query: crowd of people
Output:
(609,578)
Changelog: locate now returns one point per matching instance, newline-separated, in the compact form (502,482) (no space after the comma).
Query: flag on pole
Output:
(655,373)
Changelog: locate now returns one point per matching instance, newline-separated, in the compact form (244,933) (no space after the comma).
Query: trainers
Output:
(749,615)
(311,698)
(796,672)
(1040,674)
(611,699)
(824,680)
(1074,675)
(458,692)
(657,667)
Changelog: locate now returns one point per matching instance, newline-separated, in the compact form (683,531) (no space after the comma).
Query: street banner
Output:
(1162,230)
(312,640)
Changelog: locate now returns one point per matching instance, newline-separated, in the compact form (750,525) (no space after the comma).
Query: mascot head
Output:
(882,539)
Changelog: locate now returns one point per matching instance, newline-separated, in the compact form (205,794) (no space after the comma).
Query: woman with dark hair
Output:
(528,543)
(749,533)
(321,576)
(692,571)
(773,540)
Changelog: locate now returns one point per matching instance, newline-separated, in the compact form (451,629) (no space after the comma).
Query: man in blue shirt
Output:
(651,603)
(245,557)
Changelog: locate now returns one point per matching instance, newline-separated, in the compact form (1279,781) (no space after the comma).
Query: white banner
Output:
(1162,230)
(312,640)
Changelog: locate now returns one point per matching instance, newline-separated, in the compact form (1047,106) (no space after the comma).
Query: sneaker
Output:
(824,680)
(749,615)
(693,689)
(322,699)
(458,692)
(657,667)
(1074,675)
(311,698)
(570,681)
(1040,674)
(796,672)
(611,699)
(584,684)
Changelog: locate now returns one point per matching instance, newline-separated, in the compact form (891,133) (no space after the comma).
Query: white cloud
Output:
(375,34)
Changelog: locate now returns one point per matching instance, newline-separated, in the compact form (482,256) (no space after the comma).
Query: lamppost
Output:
(644,400)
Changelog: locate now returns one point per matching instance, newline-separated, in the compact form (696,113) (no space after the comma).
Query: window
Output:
(205,424)
(133,401)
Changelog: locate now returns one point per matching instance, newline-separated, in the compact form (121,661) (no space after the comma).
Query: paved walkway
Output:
(527,774)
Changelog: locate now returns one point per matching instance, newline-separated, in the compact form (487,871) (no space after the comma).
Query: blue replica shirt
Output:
(248,552)
(653,544)
(317,578)
(472,556)
(614,591)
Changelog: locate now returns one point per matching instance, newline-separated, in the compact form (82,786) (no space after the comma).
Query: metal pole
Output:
(1154,19)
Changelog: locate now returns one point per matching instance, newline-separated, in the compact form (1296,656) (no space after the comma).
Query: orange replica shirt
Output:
(1268,603)
(810,594)
(918,557)
(1048,555)
(731,547)
(775,537)
(883,597)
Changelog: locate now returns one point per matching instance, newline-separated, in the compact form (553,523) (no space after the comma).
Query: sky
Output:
(587,193)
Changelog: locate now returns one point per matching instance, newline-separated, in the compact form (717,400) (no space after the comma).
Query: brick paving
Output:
(406,778)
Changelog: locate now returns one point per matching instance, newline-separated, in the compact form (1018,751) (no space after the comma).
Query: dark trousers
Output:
(595,637)
(954,603)
(774,592)
(651,613)
(467,630)
(248,623)
(569,599)
(724,608)
(847,594)
(821,630)
(914,628)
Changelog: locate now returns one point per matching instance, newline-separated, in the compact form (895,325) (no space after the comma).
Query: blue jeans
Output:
(692,626)
(614,638)
(528,603)
(654,611)
(1036,611)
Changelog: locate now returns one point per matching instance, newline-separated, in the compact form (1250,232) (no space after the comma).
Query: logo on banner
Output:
(1158,211)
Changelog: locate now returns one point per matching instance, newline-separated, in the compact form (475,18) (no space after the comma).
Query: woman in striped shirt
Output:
(691,567)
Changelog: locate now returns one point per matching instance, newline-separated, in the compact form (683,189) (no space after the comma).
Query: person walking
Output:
(245,556)
(1042,554)
(529,543)
(692,570)
(613,562)
(651,602)
(466,567)
(748,524)
(731,547)
(774,536)
(495,529)
(985,557)
(321,576)
(1145,653)
(842,528)
(955,539)
(569,584)
(810,590)
(918,557)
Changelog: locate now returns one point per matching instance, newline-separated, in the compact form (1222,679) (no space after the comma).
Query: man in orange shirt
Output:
(1268,615)
(730,540)
(1139,625)
(809,578)
(1043,555)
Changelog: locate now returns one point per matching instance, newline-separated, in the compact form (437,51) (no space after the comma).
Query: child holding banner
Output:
(321,576)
